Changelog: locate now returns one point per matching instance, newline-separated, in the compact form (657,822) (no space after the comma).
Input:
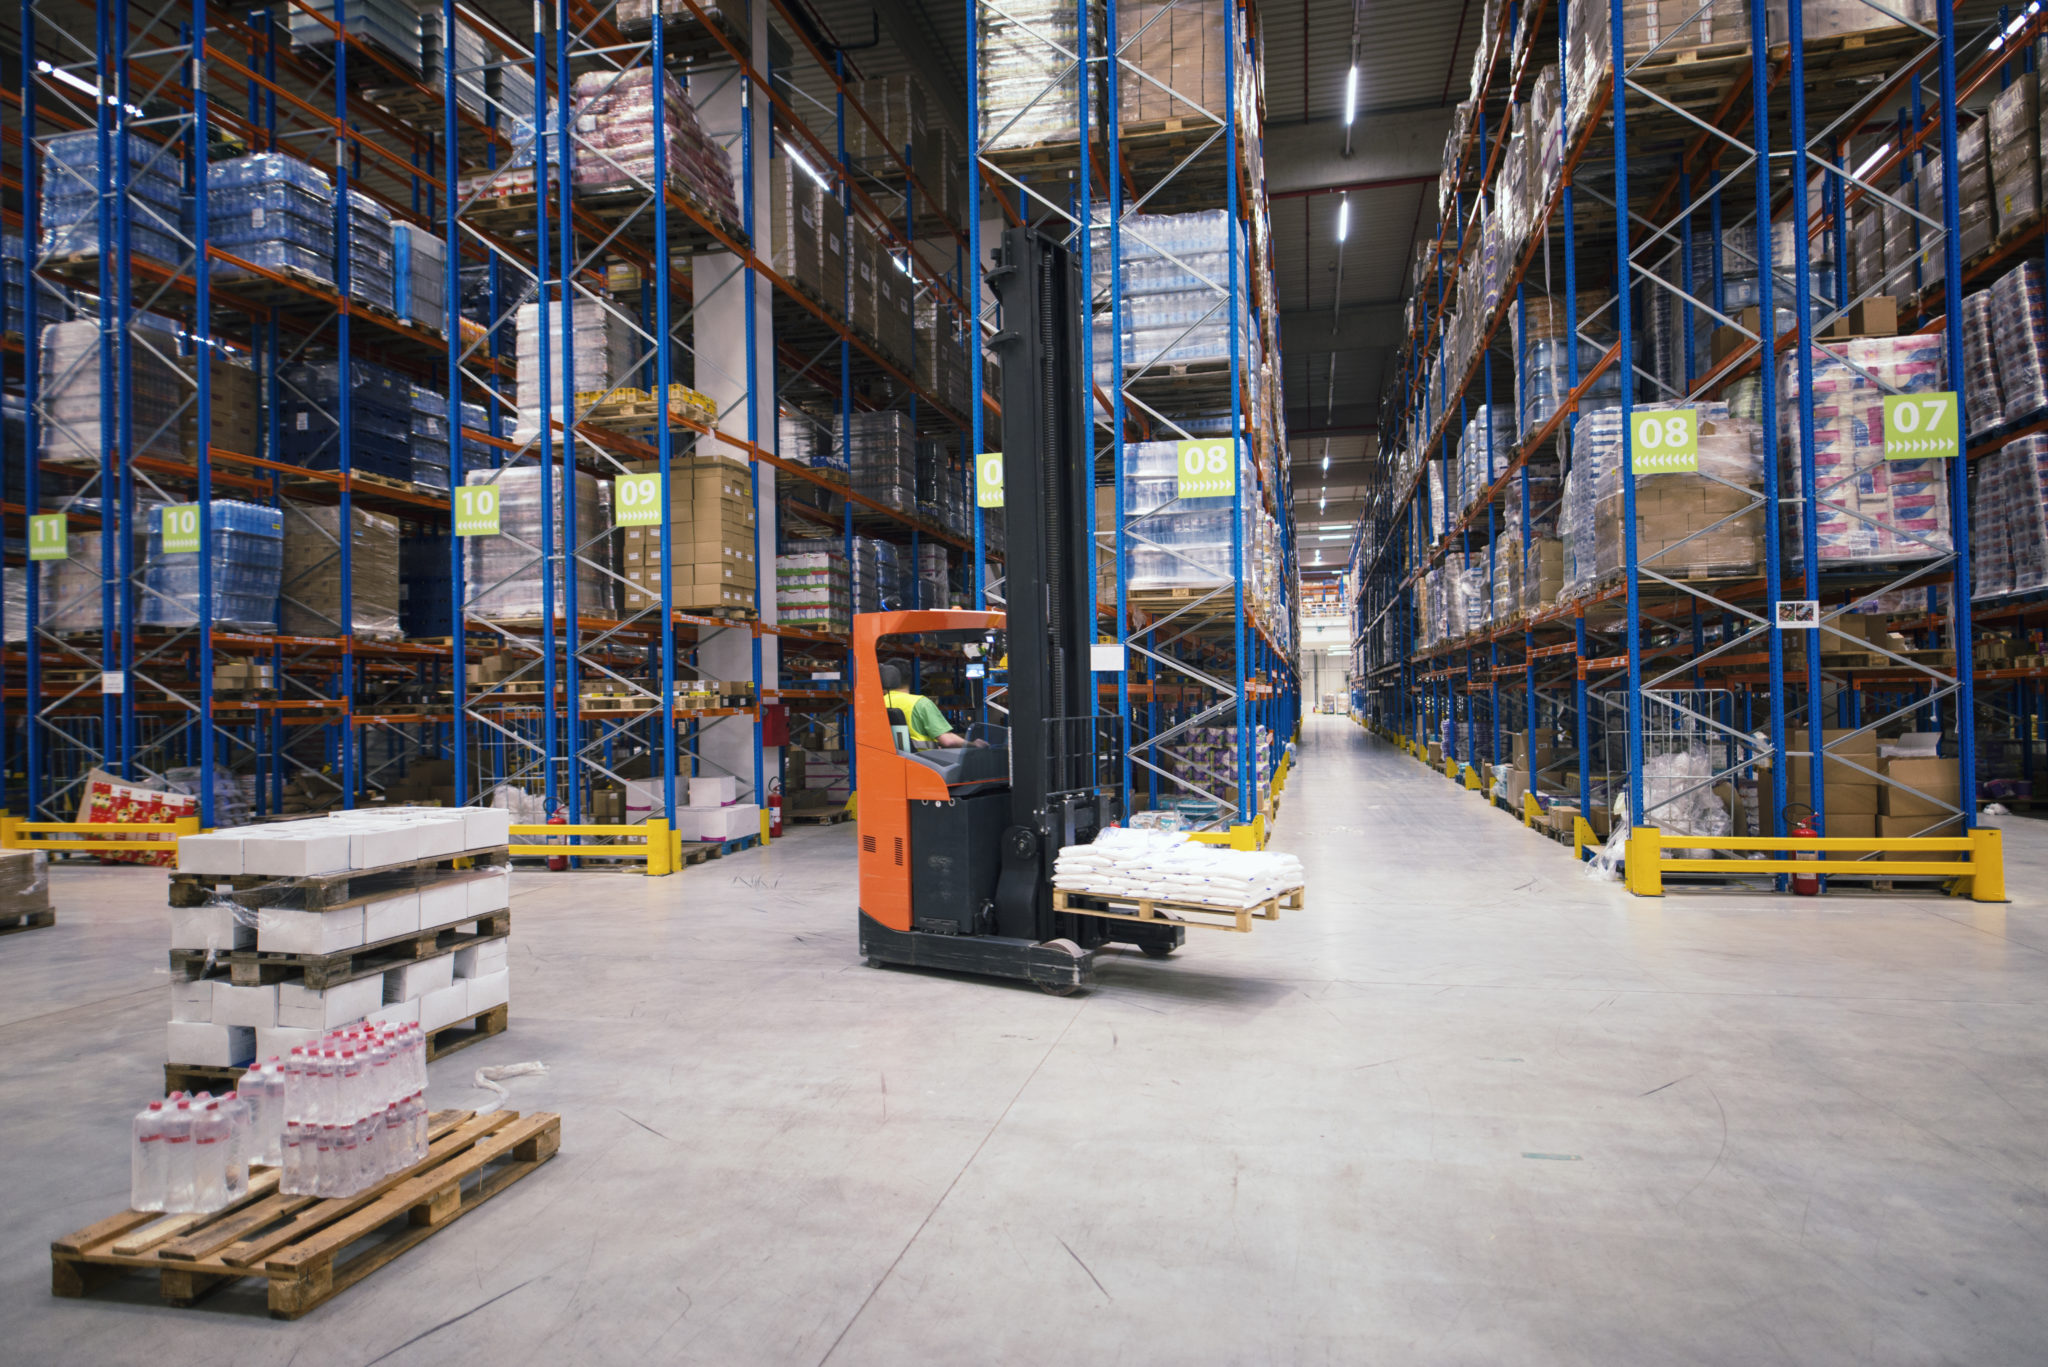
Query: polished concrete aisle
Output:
(1467,1107)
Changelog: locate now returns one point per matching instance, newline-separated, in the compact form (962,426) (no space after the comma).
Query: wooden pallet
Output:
(27,920)
(1160,911)
(307,1248)
(699,851)
(823,816)
(329,891)
(459,1034)
(257,968)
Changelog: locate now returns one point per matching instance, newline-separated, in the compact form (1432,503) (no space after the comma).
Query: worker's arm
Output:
(935,721)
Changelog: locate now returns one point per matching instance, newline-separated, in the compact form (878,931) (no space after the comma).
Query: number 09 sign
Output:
(1208,469)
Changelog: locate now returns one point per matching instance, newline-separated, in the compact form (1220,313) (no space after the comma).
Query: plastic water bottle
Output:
(209,1158)
(420,1127)
(323,1172)
(263,1090)
(177,1132)
(236,1174)
(397,1136)
(146,1160)
(291,1177)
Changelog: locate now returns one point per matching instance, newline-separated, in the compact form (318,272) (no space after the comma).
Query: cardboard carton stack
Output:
(232,402)
(216,1022)
(311,589)
(1919,797)
(25,887)
(715,813)
(1849,795)
(1177,50)
(2014,144)
(712,561)
(796,249)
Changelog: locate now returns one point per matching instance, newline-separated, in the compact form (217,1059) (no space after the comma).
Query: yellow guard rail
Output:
(1979,875)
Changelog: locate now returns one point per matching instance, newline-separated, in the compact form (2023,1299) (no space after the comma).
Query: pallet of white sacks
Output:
(1173,912)
(309,1249)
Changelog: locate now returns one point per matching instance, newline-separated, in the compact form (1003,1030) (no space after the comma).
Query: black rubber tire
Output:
(873,962)
(1158,951)
(1059,989)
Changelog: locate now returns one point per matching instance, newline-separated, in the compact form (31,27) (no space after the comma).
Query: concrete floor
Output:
(1468,1107)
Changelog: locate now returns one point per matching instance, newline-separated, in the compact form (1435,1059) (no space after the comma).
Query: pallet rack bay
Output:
(1136,133)
(497,157)
(1542,606)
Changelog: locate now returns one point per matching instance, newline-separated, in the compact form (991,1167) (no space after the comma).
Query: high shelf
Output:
(479,286)
(1588,626)
(1135,132)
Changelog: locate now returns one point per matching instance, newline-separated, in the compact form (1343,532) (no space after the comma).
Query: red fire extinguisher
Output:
(1802,828)
(558,862)
(775,809)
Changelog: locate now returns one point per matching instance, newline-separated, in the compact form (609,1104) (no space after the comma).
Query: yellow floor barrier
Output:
(653,842)
(17,833)
(1980,876)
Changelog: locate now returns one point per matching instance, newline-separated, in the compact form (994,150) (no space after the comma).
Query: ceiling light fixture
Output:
(1343,217)
(1351,95)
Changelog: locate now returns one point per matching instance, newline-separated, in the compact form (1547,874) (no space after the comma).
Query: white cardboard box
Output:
(391,917)
(408,982)
(373,844)
(482,827)
(723,823)
(440,835)
(398,1013)
(444,1007)
(298,848)
(215,852)
(192,1001)
(302,1008)
(284,931)
(209,928)
(477,961)
(492,989)
(713,791)
(490,892)
(209,1045)
(280,1040)
(443,903)
(251,1006)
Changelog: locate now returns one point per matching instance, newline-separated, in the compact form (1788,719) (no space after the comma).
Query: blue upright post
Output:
(457,467)
(1768,418)
(1802,295)
(202,347)
(1959,468)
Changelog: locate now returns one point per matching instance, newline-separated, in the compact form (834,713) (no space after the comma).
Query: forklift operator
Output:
(926,724)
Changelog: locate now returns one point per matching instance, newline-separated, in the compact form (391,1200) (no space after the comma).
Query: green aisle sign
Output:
(49,538)
(636,500)
(476,510)
(1922,426)
(1664,441)
(180,527)
(1208,469)
(988,480)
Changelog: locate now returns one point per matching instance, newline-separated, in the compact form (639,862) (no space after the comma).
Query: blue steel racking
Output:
(1696,656)
(397,137)
(1210,656)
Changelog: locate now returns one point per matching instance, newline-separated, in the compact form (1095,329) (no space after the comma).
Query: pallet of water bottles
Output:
(317,1169)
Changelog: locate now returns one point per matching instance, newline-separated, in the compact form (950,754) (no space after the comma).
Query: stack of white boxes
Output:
(716,813)
(215,1023)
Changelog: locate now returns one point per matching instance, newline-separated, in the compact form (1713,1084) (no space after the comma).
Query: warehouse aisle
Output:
(1468,1106)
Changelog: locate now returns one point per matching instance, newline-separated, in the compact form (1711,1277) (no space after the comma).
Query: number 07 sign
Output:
(1922,426)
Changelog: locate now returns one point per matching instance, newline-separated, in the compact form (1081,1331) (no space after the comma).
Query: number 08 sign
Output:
(1208,469)
(1664,441)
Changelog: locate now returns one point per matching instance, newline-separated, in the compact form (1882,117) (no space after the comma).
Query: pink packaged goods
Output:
(1868,509)
(615,140)
(2019,335)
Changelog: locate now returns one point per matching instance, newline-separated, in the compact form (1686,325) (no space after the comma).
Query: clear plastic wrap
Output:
(1869,510)
(247,562)
(1688,524)
(310,590)
(503,576)
(1029,84)
(70,403)
(614,123)
(2019,334)
(1983,402)
(600,352)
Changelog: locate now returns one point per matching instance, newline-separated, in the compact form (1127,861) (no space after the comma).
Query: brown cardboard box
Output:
(1938,778)
(1850,825)
(1899,827)
(310,588)
(795,250)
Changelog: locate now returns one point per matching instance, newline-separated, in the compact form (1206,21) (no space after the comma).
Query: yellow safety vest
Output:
(906,702)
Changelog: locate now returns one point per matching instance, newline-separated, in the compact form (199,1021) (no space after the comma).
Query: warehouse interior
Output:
(974,578)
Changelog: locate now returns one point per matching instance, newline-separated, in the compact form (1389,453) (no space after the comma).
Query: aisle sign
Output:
(476,510)
(49,537)
(1664,441)
(636,500)
(180,528)
(1208,469)
(1922,426)
(988,480)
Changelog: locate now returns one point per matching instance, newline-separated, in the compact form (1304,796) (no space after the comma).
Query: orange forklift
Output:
(957,846)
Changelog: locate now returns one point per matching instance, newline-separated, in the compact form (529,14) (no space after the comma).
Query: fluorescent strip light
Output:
(1872,160)
(1343,217)
(1351,95)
